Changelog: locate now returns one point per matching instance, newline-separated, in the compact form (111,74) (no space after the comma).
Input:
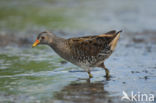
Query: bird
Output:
(85,52)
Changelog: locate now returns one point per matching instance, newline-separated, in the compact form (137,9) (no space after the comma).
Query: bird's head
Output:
(43,38)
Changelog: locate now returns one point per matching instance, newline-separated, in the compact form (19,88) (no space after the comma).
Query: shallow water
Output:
(38,75)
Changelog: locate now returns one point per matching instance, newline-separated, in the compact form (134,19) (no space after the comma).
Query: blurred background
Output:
(39,75)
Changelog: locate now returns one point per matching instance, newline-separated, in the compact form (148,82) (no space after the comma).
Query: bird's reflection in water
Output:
(86,92)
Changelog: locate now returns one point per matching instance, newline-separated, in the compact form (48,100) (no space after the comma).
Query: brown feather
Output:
(115,40)
(91,45)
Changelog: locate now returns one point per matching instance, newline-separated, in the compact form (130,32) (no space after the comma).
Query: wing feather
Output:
(91,45)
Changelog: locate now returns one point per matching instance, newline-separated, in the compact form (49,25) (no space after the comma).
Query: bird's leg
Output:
(102,65)
(106,70)
(90,75)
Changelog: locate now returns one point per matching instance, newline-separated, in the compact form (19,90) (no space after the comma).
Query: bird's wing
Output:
(91,45)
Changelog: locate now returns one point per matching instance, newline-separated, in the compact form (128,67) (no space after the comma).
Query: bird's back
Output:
(91,50)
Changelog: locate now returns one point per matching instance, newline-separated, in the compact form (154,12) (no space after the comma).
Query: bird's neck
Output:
(59,45)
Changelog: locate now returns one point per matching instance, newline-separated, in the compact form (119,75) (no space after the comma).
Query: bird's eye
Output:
(42,37)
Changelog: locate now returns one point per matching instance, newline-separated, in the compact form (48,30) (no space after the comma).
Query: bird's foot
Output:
(107,77)
(107,74)
(90,75)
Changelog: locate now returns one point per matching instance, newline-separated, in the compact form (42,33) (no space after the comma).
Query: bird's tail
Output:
(118,32)
(115,40)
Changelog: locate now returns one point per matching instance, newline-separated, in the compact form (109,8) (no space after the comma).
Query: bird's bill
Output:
(36,43)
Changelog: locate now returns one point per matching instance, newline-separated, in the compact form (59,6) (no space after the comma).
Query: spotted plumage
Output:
(86,52)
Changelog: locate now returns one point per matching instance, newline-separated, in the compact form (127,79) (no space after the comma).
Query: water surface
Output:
(38,75)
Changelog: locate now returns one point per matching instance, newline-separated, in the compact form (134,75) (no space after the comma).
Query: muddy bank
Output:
(22,39)
(136,37)
(6,40)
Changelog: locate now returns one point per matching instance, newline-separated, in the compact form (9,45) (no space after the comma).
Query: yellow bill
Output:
(36,43)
